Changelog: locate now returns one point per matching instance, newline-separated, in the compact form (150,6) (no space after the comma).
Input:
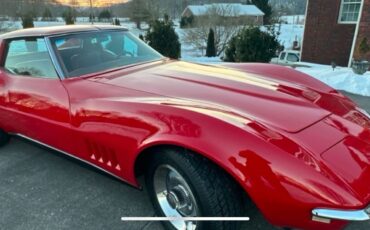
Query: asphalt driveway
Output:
(41,189)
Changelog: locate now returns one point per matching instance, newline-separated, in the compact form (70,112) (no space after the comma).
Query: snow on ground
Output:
(341,78)
(293,19)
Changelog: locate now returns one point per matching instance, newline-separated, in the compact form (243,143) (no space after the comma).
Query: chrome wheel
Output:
(175,197)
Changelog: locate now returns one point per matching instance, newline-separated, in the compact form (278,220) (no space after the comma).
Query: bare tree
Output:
(73,3)
(154,8)
(223,19)
(139,12)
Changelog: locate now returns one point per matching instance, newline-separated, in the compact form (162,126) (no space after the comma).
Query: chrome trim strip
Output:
(364,112)
(97,30)
(70,155)
(348,215)
(54,58)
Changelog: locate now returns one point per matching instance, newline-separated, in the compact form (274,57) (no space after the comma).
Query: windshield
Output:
(92,52)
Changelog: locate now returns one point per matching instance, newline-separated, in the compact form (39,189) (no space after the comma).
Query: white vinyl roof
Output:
(226,9)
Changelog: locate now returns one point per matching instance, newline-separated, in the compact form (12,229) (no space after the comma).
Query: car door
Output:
(282,57)
(34,102)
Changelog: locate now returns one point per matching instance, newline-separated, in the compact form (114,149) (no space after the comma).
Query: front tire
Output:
(4,138)
(183,184)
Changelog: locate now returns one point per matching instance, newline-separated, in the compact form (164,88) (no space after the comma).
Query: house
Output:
(334,30)
(245,14)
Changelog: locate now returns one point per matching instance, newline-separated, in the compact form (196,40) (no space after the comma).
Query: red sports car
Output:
(208,139)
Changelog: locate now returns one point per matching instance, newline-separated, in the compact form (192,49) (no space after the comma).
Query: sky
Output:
(96,3)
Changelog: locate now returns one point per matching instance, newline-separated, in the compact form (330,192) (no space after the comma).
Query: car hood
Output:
(283,105)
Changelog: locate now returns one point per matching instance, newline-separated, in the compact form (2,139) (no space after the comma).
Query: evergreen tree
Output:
(266,8)
(163,38)
(211,48)
(252,45)
(27,20)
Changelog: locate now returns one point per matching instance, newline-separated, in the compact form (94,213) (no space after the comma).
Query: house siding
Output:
(326,40)
(364,30)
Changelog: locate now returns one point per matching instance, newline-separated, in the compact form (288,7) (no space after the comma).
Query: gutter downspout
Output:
(305,22)
(356,34)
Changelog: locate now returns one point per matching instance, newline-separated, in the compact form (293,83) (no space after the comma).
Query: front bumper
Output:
(347,215)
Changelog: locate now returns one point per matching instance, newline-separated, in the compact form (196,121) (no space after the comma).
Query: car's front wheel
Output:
(183,184)
(4,138)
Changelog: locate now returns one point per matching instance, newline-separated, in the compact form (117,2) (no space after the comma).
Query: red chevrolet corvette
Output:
(208,139)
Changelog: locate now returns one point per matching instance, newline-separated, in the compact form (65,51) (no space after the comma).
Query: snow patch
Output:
(341,78)
(202,60)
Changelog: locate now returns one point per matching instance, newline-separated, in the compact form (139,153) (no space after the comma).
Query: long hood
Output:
(283,105)
(319,127)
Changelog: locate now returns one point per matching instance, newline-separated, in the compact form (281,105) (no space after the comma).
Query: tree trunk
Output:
(138,24)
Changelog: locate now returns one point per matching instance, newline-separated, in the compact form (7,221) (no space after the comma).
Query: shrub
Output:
(364,47)
(163,38)
(27,20)
(105,15)
(230,51)
(186,21)
(91,17)
(211,48)
(69,16)
(251,45)
(116,22)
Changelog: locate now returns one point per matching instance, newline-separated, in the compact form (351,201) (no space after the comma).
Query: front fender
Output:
(281,178)
(285,184)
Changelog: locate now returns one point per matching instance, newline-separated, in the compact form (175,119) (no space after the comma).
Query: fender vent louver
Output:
(103,155)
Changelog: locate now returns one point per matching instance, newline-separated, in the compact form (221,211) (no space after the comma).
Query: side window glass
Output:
(29,57)
(282,56)
(292,58)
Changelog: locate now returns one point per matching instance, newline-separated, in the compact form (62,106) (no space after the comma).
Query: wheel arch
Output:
(249,190)
(143,159)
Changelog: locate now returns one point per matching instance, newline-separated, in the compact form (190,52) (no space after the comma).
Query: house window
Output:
(349,11)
